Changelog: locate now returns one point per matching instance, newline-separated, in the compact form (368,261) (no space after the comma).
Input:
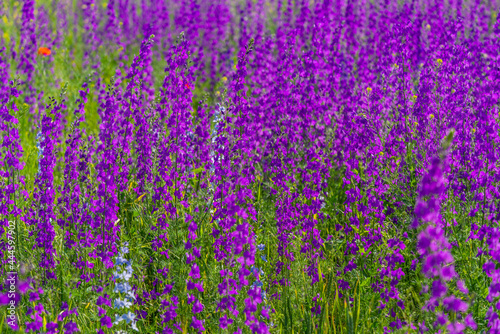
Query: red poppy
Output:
(44,51)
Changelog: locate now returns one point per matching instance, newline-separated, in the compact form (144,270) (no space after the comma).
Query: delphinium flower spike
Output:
(433,246)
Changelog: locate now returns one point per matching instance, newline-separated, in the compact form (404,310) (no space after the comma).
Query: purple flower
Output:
(106,321)
(197,307)
(469,322)
(52,328)
(197,324)
(195,271)
(71,327)
(34,296)
(224,322)
(454,304)
(4,299)
(461,286)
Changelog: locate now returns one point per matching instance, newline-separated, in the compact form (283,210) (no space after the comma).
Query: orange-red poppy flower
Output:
(44,51)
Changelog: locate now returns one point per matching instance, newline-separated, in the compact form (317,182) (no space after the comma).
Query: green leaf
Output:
(199,170)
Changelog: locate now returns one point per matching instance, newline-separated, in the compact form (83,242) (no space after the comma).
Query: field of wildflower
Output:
(249,166)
